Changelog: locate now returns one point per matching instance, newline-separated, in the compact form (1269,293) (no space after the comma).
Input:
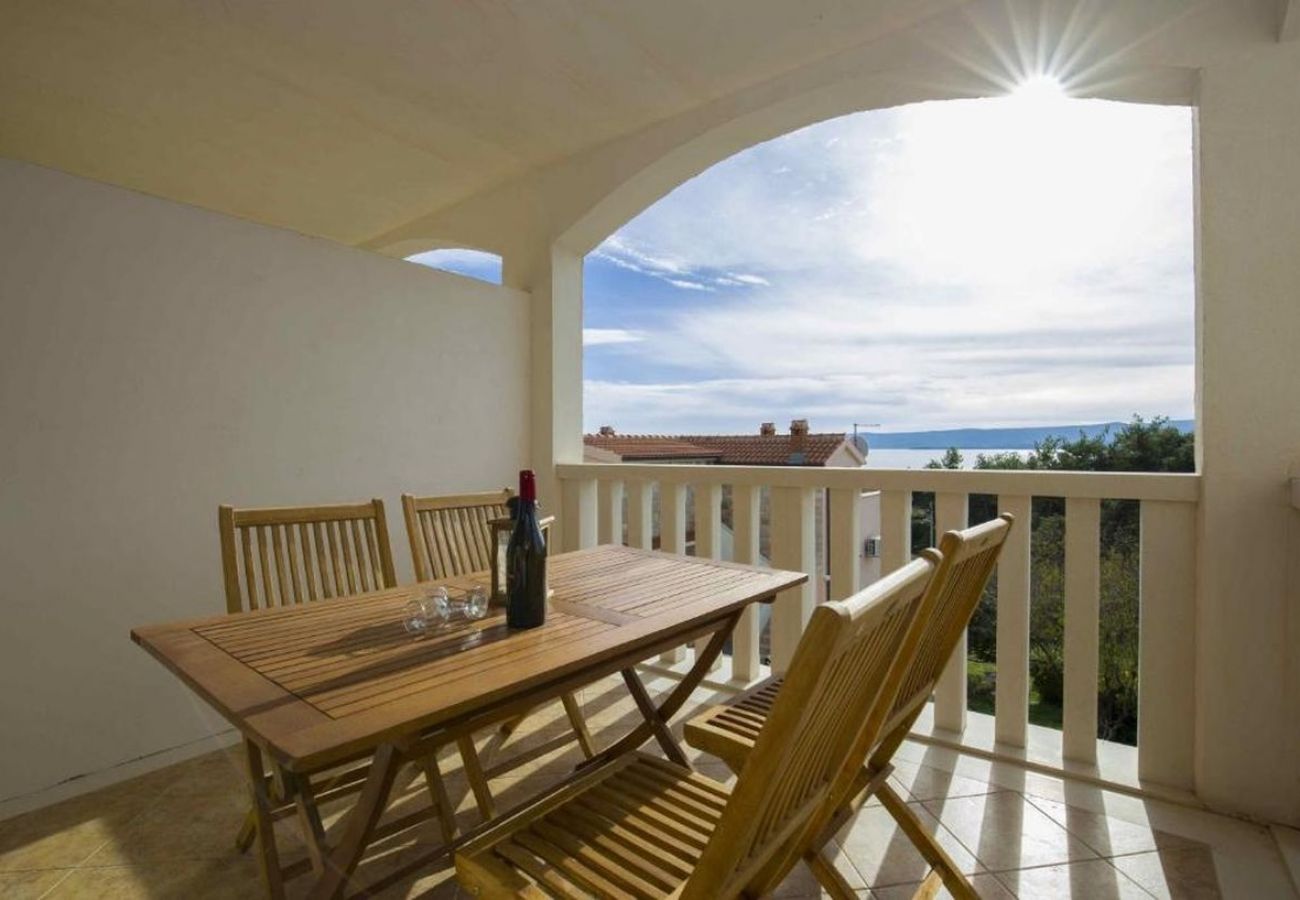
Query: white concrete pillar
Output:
(1248,598)
(554,277)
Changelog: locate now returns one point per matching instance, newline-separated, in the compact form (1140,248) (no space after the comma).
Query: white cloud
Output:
(595,337)
(945,264)
(687,285)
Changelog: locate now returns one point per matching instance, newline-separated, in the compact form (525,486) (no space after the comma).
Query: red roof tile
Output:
(725,449)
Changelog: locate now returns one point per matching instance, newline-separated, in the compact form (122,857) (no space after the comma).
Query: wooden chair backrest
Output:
(969,558)
(284,555)
(846,664)
(450,536)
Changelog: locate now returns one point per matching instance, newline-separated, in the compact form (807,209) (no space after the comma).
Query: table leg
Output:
(361,822)
(578,722)
(654,718)
(655,723)
(313,831)
(268,854)
(475,776)
(438,795)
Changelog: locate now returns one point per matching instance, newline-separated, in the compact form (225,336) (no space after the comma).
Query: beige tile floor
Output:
(170,833)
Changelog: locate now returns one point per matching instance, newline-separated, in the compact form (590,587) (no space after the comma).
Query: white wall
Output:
(1248,677)
(156,360)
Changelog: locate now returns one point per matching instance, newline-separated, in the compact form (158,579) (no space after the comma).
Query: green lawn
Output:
(980,680)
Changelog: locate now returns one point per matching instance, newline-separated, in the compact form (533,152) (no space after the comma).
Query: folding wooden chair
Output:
(731,730)
(452,536)
(639,826)
(286,555)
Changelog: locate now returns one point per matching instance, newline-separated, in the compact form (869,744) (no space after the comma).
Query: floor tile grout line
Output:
(1101,853)
(1064,825)
(939,818)
(871,887)
(999,873)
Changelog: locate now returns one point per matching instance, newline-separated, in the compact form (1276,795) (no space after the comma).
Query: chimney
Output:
(607,431)
(767,429)
(798,435)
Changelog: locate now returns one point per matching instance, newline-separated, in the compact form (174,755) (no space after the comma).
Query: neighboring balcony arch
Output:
(465,261)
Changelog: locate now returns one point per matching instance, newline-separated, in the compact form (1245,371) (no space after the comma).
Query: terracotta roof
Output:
(725,449)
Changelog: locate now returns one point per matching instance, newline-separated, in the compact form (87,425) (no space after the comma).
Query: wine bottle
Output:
(526,561)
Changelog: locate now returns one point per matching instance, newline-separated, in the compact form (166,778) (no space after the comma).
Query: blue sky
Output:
(1020,261)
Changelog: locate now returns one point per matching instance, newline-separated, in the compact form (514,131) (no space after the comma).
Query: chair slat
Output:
(268,586)
(287,595)
(363,557)
(250,578)
(374,552)
(473,540)
(323,561)
(308,575)
(349,565)
(336,558)
(291,539)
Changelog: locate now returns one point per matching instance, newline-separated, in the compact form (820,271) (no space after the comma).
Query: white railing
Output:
(593,505)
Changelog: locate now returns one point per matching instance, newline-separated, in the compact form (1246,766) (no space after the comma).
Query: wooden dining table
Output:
(315,686)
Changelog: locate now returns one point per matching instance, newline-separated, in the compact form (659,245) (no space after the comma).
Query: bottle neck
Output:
(527,487)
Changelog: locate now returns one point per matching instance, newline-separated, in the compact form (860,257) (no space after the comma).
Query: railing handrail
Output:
(1169,487)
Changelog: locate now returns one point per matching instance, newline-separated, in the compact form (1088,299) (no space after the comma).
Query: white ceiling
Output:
(343,119)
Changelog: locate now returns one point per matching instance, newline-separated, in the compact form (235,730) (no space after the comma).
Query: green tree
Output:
(951,459)
(1138,446)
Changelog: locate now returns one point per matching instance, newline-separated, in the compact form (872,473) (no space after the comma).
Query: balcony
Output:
(203,301)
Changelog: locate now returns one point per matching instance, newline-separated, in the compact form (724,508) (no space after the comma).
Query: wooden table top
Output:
(319,683)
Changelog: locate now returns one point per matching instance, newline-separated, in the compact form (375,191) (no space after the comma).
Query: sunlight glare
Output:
(1040,88)
(1010,192)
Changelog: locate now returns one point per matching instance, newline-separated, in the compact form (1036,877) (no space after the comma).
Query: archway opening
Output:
(1013,263)
(461,261)
(992,276)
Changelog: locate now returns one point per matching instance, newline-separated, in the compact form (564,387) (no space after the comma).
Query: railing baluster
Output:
(950,514)
(1167,644)
(611,512)
(895,530)
(577,520)
(1082,609)
(845,542)
(745,507)
(793,548)
(672,539)
(1012,709)
(640,514)
(672,518)
(708,536)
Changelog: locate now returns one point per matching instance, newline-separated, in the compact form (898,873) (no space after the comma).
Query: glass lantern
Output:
(500,531)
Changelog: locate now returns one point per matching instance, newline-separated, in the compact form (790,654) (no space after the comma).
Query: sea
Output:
(916,459)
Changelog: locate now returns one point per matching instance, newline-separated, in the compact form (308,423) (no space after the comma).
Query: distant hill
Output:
(993,438)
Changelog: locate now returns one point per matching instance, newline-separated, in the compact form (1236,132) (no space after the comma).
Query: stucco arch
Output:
(694,155)
(711,145)
(413,246)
